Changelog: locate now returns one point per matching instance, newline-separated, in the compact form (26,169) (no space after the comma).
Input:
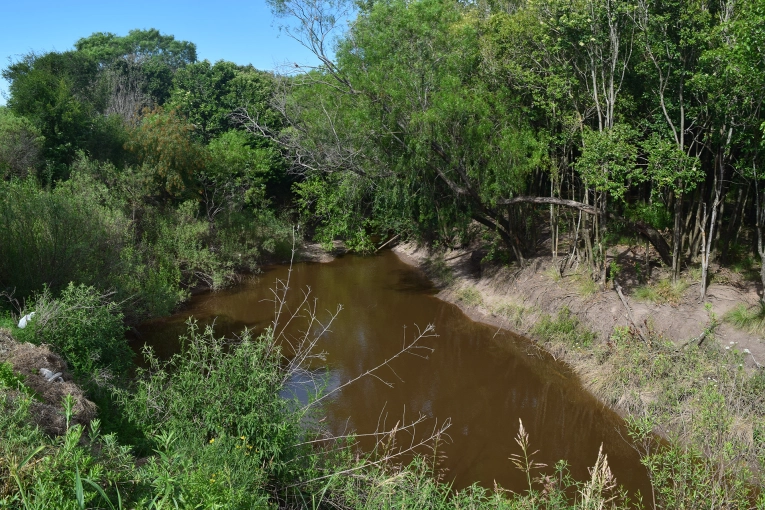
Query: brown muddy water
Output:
(482,379)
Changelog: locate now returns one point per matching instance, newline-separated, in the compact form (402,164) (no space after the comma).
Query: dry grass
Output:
(27,359)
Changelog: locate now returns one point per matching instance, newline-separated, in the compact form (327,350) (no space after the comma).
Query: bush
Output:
(216,409)
(55,237)
(85,328)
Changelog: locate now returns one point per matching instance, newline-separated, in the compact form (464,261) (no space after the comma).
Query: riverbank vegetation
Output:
(561,128)
(132,174)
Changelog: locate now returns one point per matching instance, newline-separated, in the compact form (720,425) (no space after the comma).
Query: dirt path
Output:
(537,290)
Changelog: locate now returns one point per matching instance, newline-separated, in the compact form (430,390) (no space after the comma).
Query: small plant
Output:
(613,271)
(11,380)
(525,461)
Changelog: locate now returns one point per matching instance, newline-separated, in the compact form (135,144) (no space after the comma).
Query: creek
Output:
(481,378)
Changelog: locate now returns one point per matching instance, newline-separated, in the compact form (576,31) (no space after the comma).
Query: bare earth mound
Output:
(48,412)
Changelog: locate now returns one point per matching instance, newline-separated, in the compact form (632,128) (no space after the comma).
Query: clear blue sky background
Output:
(244,32)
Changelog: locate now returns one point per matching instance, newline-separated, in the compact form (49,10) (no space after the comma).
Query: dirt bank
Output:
(487,292)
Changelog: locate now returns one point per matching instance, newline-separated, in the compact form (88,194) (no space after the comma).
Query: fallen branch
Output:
(387,242)
(700,339)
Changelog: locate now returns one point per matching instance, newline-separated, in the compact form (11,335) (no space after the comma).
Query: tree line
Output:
(123,168)
(550,123)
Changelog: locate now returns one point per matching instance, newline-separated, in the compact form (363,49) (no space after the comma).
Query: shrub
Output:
(85,328)
(54,237)
(221,403)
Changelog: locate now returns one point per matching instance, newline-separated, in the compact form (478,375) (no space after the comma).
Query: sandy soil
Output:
(534,287)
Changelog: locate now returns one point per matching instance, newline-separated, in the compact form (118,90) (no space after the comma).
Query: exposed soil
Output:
(47,409)
(538,288)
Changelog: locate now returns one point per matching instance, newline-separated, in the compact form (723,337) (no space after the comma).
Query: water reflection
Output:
(482,379)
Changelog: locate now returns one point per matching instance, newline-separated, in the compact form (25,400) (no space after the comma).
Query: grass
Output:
(515,314)
(564,328)
(470,296)
(439,270)
(662,292)
(709,409)
(585,285)
(553,272)
(748,319)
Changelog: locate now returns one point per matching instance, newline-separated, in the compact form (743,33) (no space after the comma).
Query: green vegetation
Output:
(662,292)
(219,433)
(132,174)
(564,328)
(708,408)
(749,319)
(470,296)
(557,127)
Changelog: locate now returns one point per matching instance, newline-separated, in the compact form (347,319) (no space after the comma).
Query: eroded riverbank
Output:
(688,377)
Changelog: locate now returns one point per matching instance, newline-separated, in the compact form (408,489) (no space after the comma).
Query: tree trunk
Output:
(643,229)
(707,239)
(677,236)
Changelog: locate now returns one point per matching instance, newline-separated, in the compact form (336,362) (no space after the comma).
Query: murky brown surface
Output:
(484,380)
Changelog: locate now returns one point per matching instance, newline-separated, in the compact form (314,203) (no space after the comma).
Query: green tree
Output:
(55,91)
(157,56)
(167,154)
(21,146)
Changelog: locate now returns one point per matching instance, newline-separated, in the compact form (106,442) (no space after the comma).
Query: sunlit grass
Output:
(749,319)
(663,292)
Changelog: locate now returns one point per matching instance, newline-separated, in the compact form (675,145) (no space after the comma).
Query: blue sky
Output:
(240,31)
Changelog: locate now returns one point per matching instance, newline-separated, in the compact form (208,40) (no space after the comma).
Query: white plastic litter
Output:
(50,376)
(25,319)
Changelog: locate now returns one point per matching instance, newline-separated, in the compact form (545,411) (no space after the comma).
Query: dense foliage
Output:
(550,123)
(132,174)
